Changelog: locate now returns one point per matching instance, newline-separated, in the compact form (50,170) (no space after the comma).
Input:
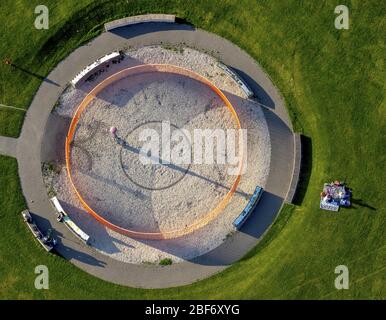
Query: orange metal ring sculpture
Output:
(132,71)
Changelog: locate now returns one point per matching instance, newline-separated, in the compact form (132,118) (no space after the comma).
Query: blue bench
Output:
(253,201)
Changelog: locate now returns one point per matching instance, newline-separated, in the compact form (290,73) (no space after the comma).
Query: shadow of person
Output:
(175,167)
(361,203)
(70,253)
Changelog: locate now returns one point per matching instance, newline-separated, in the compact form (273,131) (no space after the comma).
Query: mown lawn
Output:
(333,82)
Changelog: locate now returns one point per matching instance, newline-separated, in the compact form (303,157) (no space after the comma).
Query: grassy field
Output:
(333,82)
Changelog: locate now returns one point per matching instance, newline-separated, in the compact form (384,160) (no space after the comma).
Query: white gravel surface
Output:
(116,184)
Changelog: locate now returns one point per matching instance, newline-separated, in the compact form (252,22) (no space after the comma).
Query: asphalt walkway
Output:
(8,146)
(28,150)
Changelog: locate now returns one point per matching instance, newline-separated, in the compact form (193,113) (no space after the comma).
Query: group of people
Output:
(337,193)
(49,239)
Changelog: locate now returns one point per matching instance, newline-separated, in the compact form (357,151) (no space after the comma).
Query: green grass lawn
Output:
(333,82)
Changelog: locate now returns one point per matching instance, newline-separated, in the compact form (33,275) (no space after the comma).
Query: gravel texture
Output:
(158,197)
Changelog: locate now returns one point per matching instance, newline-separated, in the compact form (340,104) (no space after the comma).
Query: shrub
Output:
(166,262)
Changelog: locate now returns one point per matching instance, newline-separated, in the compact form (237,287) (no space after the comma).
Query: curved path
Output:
(28,152)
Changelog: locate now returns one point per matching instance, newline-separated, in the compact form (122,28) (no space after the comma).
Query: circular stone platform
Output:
(187,152)
(157,198)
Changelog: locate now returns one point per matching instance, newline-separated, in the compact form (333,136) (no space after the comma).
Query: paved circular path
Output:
(30,155)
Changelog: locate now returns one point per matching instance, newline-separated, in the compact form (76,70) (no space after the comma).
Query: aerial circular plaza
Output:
(188,150)
(144,212)
(157,154)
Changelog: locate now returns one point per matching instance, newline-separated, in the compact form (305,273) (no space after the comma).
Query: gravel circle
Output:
(148,197)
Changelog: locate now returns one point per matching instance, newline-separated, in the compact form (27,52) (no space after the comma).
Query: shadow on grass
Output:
(38,76)
(305,170)
(184,21)
(360,203)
